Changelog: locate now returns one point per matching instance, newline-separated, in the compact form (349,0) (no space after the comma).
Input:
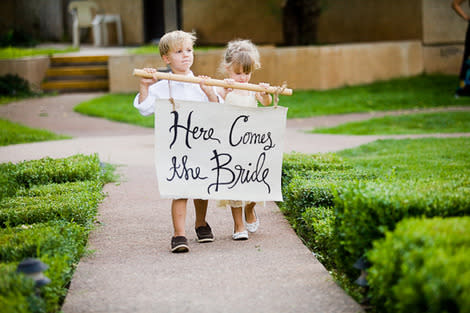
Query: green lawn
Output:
(422,91)
(15,52)
(115,107)
(13,133)
(425,123)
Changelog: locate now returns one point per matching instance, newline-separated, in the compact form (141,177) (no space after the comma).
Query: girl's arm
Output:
(208,90)
(458,9)
(263,97)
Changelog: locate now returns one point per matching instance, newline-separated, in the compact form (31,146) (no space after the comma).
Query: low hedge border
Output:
(341,211)
(422,266)
(47,209)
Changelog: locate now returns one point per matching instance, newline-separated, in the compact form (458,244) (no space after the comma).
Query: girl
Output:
(241,59)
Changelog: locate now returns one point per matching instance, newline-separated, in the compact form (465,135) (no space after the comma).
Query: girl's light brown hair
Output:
(242,53)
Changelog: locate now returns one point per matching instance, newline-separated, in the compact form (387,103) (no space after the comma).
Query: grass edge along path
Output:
(15,133)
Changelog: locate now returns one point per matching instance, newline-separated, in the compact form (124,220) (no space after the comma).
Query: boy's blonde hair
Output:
(242,53)
(171,41)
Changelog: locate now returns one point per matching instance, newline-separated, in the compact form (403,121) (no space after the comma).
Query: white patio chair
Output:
(82,12)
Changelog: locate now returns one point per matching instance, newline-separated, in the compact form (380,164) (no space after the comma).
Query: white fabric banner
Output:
(209,150)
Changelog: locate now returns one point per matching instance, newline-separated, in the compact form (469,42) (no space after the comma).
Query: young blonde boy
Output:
(176,50)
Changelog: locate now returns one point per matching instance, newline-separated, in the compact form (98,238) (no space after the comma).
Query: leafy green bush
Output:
(13,85)
(63,193)
(47,170)
(8,185)
(309,184)
(317,229)
(17,37)
(58,244)
(79,208)
(369,190)
(297,164)
(365,210)
(422,266)
(35,241)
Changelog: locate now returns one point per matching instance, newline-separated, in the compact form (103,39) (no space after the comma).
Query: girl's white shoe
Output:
(243,235)
(252,227)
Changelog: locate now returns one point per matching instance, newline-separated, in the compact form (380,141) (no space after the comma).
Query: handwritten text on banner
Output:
(216,151)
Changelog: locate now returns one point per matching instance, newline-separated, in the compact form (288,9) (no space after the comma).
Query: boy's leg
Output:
(179,243)
(201,210)
(178,215)
(203,230)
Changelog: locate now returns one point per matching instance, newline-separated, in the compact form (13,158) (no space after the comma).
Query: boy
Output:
(176,50)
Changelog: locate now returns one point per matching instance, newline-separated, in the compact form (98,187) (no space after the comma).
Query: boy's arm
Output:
(143,101)
(145,83)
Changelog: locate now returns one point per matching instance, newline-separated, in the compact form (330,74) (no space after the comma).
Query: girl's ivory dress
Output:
(241,98)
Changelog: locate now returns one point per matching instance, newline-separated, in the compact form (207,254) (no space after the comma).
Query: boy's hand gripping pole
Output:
(213,82)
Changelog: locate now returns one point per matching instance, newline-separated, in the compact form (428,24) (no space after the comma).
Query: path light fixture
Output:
(362,264)
(34,268)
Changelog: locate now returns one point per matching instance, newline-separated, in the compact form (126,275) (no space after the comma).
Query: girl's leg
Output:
(237,214)
(178,215)
(250,215)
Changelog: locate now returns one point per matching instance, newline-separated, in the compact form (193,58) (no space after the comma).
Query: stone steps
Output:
(77,74)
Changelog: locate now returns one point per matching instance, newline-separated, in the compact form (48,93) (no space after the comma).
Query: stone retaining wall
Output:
(32,69)
(319,68)
(301,67)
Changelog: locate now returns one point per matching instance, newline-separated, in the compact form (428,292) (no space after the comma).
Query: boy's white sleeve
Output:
(145,107)
(219,98)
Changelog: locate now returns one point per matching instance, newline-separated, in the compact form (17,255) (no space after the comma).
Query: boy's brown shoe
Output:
(204,233)
(179,244)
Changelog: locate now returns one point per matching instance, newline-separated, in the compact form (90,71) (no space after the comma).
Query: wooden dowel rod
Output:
(213,82)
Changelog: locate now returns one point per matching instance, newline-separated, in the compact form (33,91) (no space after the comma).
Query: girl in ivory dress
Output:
(241,59)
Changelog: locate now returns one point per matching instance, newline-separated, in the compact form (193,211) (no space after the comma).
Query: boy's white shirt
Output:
(179,91)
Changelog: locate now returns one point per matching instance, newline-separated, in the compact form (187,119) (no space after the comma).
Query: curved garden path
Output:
(132,270)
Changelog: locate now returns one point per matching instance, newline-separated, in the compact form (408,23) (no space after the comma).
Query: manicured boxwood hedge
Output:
(47,209)
(422,266)
(340,204)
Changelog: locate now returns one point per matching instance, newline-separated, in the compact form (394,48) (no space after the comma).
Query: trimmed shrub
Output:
(47,171)
(365,210)
(8,184)
(301,165)
(14,85)
(65,193)
(422,266)
(58,244)
(35,241)
(79,208)
(316,228)
(17,292)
